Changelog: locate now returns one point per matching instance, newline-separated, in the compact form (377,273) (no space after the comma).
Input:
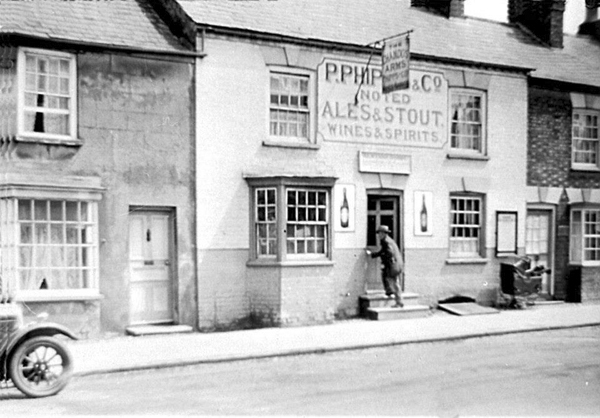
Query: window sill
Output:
(467,157)
(590,170)
(50,141)
(57,297)
(466,261)
(585,264)
(292,263)
(284,144)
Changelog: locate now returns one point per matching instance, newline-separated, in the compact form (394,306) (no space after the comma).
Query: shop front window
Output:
(585,236)
(291,221)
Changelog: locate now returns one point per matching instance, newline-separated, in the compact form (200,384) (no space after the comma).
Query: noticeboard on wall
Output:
(506,233)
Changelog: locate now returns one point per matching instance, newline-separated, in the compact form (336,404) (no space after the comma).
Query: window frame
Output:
(28,187)
(282,185)
(468,152)
(578,165)
(310,140)
(478,254)
(44,137)
(573,236)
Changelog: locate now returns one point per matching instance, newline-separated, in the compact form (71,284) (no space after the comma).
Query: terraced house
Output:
(96,162)
(223,164)
(312,157)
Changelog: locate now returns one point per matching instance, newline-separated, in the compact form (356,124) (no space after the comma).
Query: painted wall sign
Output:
(344,195)
(395,60)
(415,117)
(380,162)
(422,211)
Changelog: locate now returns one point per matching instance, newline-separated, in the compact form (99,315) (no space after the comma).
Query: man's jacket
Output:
(391,259)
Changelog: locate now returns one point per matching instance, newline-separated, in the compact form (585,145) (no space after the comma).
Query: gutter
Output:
(41,42)
(319,43)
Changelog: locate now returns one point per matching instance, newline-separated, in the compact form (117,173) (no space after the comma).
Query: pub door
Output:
(382,209)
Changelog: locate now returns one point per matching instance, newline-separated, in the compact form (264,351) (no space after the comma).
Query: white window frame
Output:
(462,151)
(30,135)
(288,140)
(460,227)
(10,244)
(583,113)
(579,238)
(281,186)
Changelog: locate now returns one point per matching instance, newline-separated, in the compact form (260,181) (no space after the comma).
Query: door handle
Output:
(167,263)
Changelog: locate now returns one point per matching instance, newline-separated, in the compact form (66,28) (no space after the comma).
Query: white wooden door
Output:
(150,298)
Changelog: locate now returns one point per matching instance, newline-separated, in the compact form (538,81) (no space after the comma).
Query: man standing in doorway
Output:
(391,264)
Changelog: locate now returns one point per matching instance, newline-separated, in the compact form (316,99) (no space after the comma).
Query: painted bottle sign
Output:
(424,216)
(345,212)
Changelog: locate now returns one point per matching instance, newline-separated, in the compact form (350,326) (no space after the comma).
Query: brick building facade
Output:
(563,162)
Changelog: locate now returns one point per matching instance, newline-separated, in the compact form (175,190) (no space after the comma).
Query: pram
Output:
(520,284)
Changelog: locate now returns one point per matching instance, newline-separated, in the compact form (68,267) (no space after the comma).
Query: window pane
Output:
(465,226)
(47,95)
(466,131)
(586,140)
(50,248)
(307,221)
(25,210)
(289,106)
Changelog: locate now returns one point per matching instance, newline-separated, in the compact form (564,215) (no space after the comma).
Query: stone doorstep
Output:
(141,330)
(378,299)
(407,312)
(379,296)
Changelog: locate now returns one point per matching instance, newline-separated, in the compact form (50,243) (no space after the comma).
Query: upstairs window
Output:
(586,139)
(467,121)
(290,118)
(47,95)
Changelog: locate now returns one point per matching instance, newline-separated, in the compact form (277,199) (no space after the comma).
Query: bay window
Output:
(291,219)
(585,236)
(49,246)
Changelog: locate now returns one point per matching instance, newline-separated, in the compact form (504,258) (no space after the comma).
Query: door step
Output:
(141,330)
(406,312)
(378,299)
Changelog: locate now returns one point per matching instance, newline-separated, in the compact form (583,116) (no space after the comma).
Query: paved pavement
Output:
(134,353)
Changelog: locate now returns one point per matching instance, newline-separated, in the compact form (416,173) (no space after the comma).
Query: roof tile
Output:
(361,22)
(120,23)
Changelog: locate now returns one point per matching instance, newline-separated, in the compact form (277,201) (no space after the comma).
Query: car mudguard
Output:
(37,329)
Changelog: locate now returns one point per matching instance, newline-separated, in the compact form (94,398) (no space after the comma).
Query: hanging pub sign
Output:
(395,60)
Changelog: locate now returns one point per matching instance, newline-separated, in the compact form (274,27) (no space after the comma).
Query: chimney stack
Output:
(591,25)
(447,8)
(544,18)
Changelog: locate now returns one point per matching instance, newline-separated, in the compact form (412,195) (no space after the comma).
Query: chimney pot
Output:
(447,8)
